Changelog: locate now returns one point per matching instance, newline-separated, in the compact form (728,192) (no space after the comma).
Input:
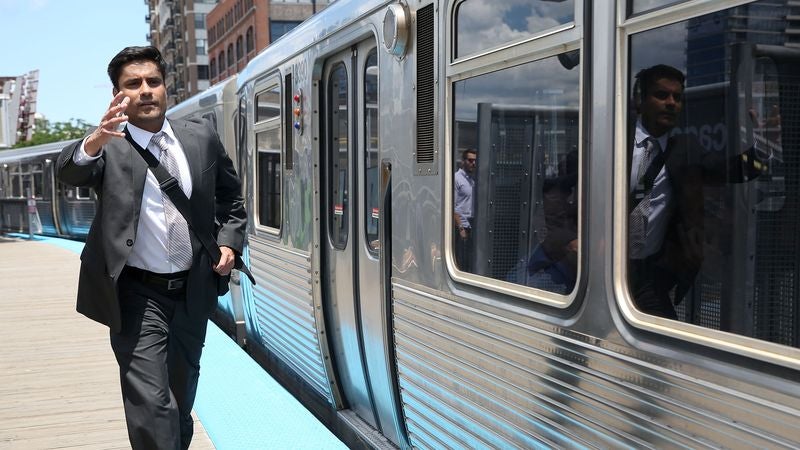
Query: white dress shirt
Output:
(151,247)
(464,184)
(660,199)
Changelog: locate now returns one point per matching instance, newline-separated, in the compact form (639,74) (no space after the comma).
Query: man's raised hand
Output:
(108,125)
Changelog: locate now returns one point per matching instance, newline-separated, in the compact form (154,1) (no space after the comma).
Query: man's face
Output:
(661,106)
(141,81)
(469,162)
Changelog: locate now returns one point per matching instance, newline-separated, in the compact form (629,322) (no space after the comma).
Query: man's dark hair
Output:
(646,77)
(469,150)
(130,54)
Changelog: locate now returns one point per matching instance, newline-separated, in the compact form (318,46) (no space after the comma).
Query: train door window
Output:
(339,156)
(293,114)
(371,146)
(713,175)
(268,150)
(482,25)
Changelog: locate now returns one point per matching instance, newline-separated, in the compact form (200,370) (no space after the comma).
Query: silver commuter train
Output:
(349,131)
(348,134)
(217,105)
(62,210)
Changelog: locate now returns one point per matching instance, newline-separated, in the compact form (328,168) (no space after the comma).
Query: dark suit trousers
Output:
(158,351)
(650,288)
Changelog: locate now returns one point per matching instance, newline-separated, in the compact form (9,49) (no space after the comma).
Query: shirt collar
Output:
(642,134)
(142,137)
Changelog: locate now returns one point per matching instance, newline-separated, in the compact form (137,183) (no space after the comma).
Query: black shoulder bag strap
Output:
(172,188)
(649,177)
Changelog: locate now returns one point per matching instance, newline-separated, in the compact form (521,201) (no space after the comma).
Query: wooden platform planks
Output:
(59,386)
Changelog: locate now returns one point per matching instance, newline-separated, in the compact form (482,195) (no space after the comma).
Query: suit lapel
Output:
(188,141)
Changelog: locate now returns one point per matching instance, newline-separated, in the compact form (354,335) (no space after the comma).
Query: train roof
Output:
(210,96)
(314,29)
(18,154)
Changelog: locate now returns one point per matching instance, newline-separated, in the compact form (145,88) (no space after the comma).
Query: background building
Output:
(239,29)
(17,107)
(178,29)
(205,41)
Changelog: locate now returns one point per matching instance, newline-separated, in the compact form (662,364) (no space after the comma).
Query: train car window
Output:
(338,147)
(268,149)
(482,25)
(268,104)
(371,141)
(83,193)
(38,180)
(642,6)
(515,188)
(17,190)
(713,145)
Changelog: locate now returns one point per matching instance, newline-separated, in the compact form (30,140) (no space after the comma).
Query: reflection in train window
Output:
(515,191)
(372,187)
(338,157)
(83,193)
(268,104)
(481,25)
(641,6)
(714,173)
(268,148)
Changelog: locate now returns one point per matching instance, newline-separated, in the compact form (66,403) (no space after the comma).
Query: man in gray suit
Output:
(144,273)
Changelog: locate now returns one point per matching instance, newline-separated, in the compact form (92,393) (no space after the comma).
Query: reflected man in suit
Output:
(666,205)
(465,209)
(143,273)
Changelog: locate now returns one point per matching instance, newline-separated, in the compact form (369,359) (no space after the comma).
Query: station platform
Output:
(59,382)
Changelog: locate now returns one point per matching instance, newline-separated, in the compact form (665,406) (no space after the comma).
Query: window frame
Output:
(779,354)
(268,82)
(511,54)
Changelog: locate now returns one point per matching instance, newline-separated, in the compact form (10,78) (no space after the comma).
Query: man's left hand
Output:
(225,261)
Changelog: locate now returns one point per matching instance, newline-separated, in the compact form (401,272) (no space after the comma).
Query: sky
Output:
(70,42)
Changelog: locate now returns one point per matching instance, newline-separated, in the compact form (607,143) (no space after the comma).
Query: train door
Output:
(356,305)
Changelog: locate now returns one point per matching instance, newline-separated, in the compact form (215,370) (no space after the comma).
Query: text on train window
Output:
(482,25)
(516,136)
(268,147)
(714,172)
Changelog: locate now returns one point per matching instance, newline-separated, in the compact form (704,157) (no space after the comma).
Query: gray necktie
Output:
(180,246)
(641,213)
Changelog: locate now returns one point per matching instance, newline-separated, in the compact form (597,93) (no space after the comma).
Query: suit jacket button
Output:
(129,242)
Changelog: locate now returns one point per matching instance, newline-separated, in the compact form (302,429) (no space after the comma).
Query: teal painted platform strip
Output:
(239,404)
(242,407)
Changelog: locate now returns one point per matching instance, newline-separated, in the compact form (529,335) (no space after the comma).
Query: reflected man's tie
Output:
(642,193)
(180,246)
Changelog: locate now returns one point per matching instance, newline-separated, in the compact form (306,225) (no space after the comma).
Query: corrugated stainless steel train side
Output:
(384,327)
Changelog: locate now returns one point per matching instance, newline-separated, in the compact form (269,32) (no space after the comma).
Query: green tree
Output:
(46,132)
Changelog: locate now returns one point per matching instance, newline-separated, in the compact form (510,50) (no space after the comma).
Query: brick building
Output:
(239,29)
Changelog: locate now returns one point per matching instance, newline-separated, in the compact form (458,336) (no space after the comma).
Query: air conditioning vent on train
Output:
(426,156)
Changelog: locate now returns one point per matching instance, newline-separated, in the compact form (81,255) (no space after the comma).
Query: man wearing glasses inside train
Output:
(668,171)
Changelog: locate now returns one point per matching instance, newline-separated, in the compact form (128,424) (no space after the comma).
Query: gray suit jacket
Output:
(118,178)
